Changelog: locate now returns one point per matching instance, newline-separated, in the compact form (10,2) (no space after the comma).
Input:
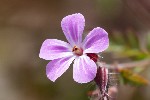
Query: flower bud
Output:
(101,80)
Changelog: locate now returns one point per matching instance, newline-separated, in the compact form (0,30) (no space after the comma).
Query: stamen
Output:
(78,51)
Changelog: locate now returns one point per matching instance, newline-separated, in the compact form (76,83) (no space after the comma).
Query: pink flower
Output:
(63,54)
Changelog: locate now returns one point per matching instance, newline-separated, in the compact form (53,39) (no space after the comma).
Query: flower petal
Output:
(96,41)
(57,67)
(53,49)
(73,26)
(84,69)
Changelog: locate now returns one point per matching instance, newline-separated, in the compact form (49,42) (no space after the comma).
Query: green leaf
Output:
(123,51)
(132,78)
(135,54)
(138,69)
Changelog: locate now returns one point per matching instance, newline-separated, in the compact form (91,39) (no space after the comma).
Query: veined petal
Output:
(73,26)
(57,67)
(53,49)
(96,41)
(84,69)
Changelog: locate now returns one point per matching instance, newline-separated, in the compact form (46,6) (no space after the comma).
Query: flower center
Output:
(78,51)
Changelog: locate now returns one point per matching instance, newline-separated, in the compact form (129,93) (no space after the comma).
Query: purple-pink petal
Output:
(73,26)
(57,67)
(96,41)
(54,49)
(84,69)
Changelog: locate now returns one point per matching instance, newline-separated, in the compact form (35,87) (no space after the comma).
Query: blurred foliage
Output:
(108,7)
(148,40)
(128,45)
(129,77)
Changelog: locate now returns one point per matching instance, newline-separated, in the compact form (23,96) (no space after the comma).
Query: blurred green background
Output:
(25,24)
